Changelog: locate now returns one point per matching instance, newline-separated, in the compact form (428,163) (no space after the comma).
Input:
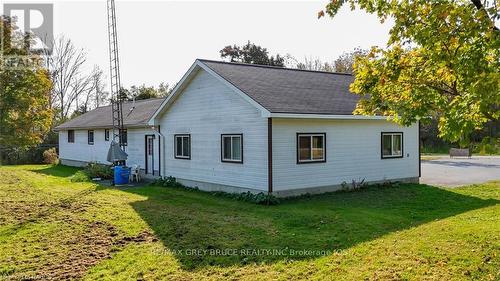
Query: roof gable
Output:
(186,79)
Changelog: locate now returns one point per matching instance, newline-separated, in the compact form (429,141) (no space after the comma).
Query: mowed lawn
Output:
(53,228)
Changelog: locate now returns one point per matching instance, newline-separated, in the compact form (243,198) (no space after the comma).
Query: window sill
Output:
(232,161)
(311,161)
(182,158)
(391,157)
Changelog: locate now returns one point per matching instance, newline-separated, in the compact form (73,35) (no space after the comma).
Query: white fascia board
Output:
(264,111)
(175,92)
(328,116)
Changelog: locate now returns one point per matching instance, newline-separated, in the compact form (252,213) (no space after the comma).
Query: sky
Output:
(159,40)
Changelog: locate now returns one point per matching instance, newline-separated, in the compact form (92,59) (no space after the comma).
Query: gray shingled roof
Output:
(284,90)
(101,116)
(279,90)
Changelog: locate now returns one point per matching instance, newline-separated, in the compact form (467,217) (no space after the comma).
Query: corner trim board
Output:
(270,155)
(419,154)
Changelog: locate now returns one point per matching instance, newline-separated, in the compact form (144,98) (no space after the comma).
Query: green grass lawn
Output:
(51,227)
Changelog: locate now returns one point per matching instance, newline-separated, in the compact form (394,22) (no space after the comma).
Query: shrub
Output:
(21,155)
(488,146)
(80,176)
(259,198)
(168,182)
(50,156)
(355,185)
(95,170)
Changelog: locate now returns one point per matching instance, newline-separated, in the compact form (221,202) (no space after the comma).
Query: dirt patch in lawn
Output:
(26,210)
(69,245)
(88,249)
(82,247)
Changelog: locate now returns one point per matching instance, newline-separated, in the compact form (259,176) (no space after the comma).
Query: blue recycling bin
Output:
(122,174)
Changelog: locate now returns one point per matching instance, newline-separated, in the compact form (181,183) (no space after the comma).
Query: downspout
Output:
(269,155)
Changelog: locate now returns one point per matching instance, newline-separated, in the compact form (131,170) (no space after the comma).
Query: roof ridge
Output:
(130,101)
(274,67)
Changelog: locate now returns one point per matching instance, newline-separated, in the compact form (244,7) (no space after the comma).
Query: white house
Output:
(239,127)
(87,137)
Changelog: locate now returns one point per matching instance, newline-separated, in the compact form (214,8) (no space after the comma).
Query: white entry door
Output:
(150,154)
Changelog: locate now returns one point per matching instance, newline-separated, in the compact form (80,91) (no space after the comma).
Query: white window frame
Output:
(393,154)
(311,135)
(181,156)
(232,160)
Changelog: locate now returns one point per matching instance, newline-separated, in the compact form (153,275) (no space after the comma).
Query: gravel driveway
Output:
(453,172)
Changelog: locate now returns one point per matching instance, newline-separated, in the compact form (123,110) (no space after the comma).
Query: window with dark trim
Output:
(90,137)
(311,148)
(106,134)
(392,145)
(71,135)
(123,136)
(150,145)
(232,148)
(182,147)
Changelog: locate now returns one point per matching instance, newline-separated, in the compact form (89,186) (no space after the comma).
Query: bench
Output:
(460,152)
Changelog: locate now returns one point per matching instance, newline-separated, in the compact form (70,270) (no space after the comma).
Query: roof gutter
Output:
(138,126)
(327,116)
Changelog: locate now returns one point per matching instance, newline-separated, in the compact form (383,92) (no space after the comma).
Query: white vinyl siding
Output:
(352,153)
(81,151)
(206,109)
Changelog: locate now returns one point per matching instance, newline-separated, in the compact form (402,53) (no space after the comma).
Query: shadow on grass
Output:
(204,230)
(57,171)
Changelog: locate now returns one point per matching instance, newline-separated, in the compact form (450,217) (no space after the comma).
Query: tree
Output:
(65,66)
(73,85)
(97,96)
(251,53)
(146,92)
(125,94)
(442,60)
(164,89)
(142,92)
(25,115)
(345,62)
(79,111)
(315,65)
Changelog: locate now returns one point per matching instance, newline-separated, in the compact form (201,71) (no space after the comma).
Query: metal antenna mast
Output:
(114,64)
